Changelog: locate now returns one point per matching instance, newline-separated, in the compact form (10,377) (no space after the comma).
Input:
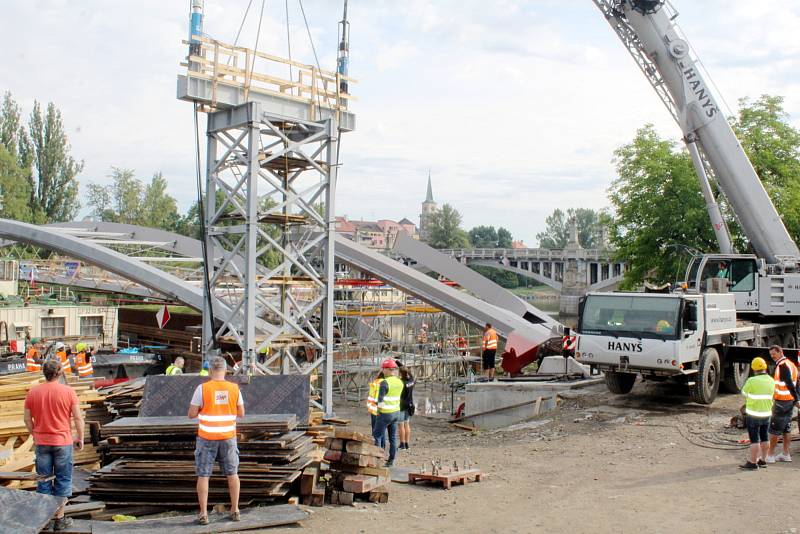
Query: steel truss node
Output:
(269,199)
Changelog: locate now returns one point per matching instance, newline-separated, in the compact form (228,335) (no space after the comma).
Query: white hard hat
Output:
(59,345)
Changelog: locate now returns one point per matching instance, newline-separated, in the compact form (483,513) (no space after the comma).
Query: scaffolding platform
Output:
(222,75)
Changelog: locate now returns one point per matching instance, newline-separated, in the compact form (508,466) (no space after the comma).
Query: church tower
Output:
(428,209)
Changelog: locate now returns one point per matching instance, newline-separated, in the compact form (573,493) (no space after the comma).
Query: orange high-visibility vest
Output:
(218,415)
(83,364)
(372,400)
(64,359)
(781,388)
(490,340)
(31,365)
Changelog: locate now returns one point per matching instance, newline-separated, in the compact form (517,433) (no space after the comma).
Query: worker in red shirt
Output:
(49,410)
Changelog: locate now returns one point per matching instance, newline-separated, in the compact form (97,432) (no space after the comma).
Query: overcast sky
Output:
(515,106)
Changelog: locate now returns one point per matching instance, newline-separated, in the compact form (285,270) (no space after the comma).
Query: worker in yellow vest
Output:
(372,404)
(786,398)
(61,355)
(204,369)
(389,391)
(176,368)
(489,350)
(33,360)
(216,404)
(83,361)
(758,392)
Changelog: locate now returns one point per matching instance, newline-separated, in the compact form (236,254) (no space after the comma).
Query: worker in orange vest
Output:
(83,361)
(33,360)
(61,355)
(489,350)
(216,404)
(786,397)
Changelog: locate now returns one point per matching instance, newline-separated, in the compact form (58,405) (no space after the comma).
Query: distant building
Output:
(428,209)
(518,244)
(379,235)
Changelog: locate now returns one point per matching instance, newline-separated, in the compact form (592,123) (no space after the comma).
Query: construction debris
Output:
(446,474)
(151,461)
(354,470)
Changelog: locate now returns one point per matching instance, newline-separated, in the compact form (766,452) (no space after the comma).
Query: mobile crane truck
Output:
(731,306)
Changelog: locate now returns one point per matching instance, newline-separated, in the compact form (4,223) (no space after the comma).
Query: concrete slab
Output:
(559,364)
(494,405)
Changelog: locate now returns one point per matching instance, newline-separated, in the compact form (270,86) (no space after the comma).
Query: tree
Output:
(445,231)
(500,277)
(14,192)
(483,237)
(504,238)
(53,187)
(773,146)
(10,128)
(127,200)
(660,211)
(556,234)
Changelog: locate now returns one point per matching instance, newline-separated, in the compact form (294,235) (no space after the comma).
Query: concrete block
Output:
(556,365)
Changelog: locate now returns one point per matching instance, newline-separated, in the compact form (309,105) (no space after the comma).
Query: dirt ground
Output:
(648,462)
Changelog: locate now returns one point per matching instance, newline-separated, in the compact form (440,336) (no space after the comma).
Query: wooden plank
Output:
(22,475)
(316,498)
(359,460)
(362,483)
(84,508)
(252,518)
(344,498)
(308,480)
(24,512)
(355,436)
(368,449)
(446,479)
(358,470)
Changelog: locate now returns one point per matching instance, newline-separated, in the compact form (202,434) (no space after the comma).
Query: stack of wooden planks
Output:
(16,445)
(151,461)
(355,469)
(124,399)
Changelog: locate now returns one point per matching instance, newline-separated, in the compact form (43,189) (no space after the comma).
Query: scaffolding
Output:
(375,321)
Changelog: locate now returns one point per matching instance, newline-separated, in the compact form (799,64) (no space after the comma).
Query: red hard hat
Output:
(389,363)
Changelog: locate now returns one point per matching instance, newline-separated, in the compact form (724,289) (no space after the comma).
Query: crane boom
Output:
(650,35)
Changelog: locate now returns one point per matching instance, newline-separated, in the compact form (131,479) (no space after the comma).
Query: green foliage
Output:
(556,234)
(500,277)
(773,146)
(445,229)
(488,237)
(659,209)
(54,189)
(504,239)
(14,193)
(483,237)
(127,200)
(10,129)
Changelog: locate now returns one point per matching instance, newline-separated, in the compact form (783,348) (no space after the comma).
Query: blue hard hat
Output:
(205,365)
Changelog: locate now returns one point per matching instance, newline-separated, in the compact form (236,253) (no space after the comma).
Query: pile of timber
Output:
(354,470)
(150,461)
(125,399)
(16,445)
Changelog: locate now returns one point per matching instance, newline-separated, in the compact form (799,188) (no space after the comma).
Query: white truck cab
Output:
(660,336)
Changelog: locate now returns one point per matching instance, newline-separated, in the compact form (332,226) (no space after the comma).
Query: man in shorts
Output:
(489,351)
(786,398)
(758,392)
(216,404)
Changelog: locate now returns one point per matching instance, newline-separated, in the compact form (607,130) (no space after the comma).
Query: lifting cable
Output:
(202,217)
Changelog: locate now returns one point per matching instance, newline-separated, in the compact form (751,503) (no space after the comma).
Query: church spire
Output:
(429,197)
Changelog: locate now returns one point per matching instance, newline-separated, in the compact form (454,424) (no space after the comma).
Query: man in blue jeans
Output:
(389,393)
(50,408)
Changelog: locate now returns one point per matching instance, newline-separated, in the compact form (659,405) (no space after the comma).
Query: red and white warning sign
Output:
(162,316)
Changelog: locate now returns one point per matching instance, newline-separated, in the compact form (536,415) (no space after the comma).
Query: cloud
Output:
(515,106)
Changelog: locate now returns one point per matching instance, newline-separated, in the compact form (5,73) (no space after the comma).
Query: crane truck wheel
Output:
(736,374)
(707,380)
(620,383)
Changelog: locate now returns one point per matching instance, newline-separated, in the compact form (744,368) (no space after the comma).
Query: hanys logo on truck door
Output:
(220,397)
(621,346)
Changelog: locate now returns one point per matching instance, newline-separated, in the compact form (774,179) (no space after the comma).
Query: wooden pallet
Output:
(446,479)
